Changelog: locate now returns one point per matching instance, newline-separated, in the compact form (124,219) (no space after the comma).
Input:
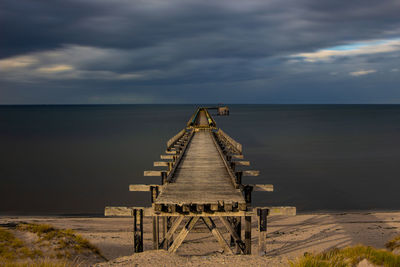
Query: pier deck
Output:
(201,177)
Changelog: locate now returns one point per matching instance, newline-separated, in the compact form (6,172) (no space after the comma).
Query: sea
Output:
(77,159)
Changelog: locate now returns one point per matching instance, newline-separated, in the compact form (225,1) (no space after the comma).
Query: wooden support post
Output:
(238,176)
(165,230)
(247,193)
(233,231)
(182,235)
(247,234)
(262,228)
(232,221)
(163,178)
(154,193)
(238,229)
(156,232)
(213,229)
(138,230)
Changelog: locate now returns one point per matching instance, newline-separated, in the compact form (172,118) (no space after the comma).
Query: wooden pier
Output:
(201,181)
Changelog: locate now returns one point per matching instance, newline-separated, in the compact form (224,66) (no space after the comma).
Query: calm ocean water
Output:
(78,159)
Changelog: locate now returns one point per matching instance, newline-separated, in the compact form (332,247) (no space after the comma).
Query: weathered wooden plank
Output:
(118,211)
(160,164)
(141,187)
(287,211)
(242,163)
(262,187)
(237,156)
(182,235)
(216,233)
(171,152)
(152,173)
(250,173)
(167,156)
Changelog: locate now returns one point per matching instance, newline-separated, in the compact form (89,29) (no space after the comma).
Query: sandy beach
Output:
(287,238)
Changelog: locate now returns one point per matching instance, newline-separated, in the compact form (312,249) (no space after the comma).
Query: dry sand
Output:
(287,238)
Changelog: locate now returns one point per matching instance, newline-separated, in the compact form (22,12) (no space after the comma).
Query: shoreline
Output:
(287,237)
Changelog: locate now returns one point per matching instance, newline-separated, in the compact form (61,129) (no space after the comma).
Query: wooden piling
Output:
(262,228)
(247,234)
(138,230)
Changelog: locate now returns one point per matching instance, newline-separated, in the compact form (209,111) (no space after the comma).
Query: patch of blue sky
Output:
(355,46)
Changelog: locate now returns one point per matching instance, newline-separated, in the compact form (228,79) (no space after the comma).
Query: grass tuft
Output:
(348,257)
(393,244)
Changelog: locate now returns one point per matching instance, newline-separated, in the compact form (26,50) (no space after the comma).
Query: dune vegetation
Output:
(28,244)
(348,257)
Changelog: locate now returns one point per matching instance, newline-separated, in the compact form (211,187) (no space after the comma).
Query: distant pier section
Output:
(201,180)
(221,110)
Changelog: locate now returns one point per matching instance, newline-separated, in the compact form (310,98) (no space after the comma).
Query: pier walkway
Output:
(202,181)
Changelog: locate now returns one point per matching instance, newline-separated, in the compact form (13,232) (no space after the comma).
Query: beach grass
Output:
(393,244)
(348,257)
(49,247)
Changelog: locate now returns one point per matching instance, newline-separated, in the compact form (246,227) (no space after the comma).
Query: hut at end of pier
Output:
(223,111)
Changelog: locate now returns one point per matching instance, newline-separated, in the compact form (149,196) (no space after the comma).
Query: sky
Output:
(185,51)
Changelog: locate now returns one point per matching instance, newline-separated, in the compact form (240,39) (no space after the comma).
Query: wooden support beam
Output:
(160,163)
(233,233)
(141,187)
(213,228)
(153,173)
(171,152)
(262,187)
(172,230)
(247,234)
(250,173)
(167,156)
(182,235)
(273,211)
(237,156)
(241,163)
(149,211)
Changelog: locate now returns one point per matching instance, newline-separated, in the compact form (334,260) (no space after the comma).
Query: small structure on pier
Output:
(223,111)
(202,181)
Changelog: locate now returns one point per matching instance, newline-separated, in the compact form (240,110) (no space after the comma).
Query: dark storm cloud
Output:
(218,44)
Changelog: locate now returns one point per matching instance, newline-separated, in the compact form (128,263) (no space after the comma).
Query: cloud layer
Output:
(98,51)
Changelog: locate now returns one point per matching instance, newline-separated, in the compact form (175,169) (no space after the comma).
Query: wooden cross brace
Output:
(211,227)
